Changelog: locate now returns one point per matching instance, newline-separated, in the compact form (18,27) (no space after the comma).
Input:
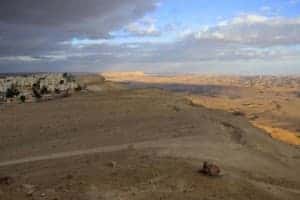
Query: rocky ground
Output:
(115,143)
(133,174)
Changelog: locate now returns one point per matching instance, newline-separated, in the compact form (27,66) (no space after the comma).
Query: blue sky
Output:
(159,36)
(208,11)
(196,14)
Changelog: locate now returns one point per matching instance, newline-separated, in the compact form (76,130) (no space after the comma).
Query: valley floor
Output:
(270,103)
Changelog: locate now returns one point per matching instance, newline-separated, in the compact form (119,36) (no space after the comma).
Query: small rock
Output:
(176,108)
(113,164)
(238,113)
(69,176)
(253,117)
(29,189)
(81,182)
(6,180)
(210,169)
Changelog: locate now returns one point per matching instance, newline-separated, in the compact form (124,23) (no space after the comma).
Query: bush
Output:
(78,88)
(65,75)
(36,90)
(36,86)
(57,91)
(44,90)
(12,92)
(9,93)
(68,77)
(36,93)
(22,98)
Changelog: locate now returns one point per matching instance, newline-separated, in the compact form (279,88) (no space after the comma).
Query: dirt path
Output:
(197,148)
(54,156)
(137,174)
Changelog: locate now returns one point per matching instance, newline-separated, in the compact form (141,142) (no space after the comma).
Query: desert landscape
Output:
(113,141)
(149,100)
(269,102)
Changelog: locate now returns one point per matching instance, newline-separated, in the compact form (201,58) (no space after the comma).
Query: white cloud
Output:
(84,42)
(144,27)
(255,29)
(18,59)
(249,19)
(245,43)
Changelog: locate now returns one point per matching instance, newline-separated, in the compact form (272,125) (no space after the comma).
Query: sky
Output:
(155,36)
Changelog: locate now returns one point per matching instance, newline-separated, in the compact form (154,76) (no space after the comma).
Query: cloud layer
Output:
(98,16)
(33,26)
(255,30)
(99,35)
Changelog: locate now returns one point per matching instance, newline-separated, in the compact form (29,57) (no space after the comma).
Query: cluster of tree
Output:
(38,90)
(12,92)
(68,77)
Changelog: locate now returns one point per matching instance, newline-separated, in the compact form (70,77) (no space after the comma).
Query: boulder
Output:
(210,169)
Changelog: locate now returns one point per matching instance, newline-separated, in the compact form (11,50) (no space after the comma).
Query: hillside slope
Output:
(174,135)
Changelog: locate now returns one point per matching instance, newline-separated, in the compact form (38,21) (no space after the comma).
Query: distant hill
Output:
(123,74)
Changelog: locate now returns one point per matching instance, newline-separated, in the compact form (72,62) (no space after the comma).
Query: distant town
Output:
(36,87)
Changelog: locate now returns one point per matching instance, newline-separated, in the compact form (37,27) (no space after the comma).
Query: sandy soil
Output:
(270,103)
(133,174)
(138,144)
